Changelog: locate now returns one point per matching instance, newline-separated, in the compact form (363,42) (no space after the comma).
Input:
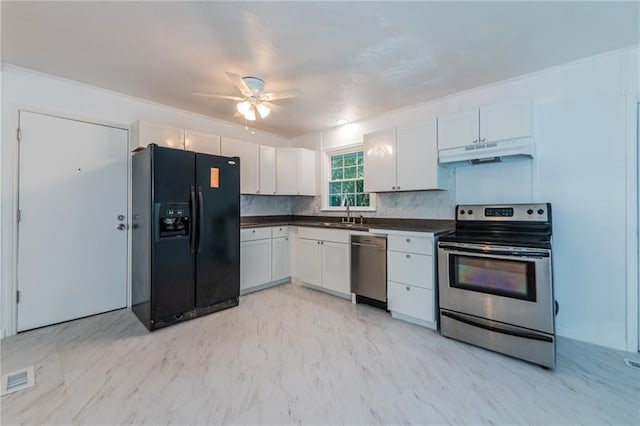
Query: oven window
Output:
(510,278)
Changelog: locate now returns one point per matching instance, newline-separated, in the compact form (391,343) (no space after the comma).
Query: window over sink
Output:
(345,181)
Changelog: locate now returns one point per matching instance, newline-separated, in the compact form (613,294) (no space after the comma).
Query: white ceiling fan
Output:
(253,98)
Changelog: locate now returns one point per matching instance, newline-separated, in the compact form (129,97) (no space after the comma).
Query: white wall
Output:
(42,93)
(585,165)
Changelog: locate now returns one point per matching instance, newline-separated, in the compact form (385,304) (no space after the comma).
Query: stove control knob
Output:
(470,211)
(540,211)
(529,211)
(461,211)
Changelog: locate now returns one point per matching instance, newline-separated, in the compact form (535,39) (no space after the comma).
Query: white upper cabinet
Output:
(295,171)
(493,123)
(417,158)
(287,171)
(143,133)
(201,142)
(459,129)
(380,161)
(249,162)
(505,121)
(267,181)
(402,159)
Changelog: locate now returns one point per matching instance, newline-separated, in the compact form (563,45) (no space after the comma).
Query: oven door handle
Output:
(523,334)
(498,252)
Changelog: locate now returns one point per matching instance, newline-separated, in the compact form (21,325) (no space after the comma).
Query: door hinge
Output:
(19,134)
(18,215)
(17,296)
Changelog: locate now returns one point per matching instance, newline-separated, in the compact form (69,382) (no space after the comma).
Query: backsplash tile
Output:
(265,205)
(416,205)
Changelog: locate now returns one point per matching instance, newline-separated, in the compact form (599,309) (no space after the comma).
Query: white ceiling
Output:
(351,59)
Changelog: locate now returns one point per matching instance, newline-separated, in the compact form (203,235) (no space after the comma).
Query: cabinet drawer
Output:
(410,243)
(279,231)
(410,268)
(250,234)
(335,235)
(412,301)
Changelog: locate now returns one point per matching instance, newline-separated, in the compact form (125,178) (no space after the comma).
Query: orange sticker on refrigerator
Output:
(215,177)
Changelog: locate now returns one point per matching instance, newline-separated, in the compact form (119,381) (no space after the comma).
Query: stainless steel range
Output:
(495,280)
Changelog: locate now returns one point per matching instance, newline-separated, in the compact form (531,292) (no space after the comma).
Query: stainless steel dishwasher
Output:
(369,269)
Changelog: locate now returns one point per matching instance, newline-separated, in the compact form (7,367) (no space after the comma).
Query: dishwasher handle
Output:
(368,245)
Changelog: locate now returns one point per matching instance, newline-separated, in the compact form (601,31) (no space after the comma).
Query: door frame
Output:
(10,168)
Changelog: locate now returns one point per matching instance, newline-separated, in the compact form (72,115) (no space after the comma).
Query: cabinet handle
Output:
(286,238)
(482,139)
(258,191)
(393,187)
(397,187)
(408,288)
(408,240)
(253,231)
(273,192)
(408,256)
(475,141)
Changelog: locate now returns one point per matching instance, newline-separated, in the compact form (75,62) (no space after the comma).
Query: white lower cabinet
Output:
(279,253)
(411,283)
(324,259)
(264,261)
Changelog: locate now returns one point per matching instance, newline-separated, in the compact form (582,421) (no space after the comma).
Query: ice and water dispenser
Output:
(173,219)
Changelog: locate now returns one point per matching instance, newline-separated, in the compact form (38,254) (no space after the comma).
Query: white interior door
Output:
(72,259)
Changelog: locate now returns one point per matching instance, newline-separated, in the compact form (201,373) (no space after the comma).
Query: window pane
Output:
(336,161)
(349,172)
(335,188)
(348,187)
(352,199)
(359,186)
(360,172)
(334,201)
(362,200)
(336,174)
(360,158)
(350,159)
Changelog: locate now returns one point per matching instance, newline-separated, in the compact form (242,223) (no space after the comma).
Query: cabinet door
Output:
(336,264)
(306,172)
(144,133)
(249,166)
(310,261)
(459,129)
(267,170)
(286,171)
(410,268)
(380,161)
(255,263)
(417,157)
(280,258)
(201,142)
(413,301)
(505,121)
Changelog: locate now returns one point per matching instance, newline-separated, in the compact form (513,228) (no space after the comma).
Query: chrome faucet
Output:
(348,218)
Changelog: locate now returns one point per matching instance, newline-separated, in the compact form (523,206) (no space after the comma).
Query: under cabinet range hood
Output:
(482,153)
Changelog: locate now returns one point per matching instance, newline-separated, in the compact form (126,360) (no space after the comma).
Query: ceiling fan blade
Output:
(240,84)
(272,106)
(211,95)
(283,94)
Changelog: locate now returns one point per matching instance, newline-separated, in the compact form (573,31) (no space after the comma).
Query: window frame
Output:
(326,178)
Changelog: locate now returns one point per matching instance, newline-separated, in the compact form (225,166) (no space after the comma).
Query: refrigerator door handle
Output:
(200,218)
(193,219)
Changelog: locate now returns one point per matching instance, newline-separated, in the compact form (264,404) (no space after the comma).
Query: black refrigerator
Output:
(185,234)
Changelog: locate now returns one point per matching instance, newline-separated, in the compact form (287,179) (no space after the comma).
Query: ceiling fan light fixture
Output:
(263,110)
(250,114)
(244,107)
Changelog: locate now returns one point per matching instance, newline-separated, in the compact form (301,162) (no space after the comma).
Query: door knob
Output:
(121,227)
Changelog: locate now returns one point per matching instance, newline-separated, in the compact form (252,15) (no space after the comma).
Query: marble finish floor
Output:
(291,355)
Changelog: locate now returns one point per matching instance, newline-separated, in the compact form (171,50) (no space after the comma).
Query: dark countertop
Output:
(436,226)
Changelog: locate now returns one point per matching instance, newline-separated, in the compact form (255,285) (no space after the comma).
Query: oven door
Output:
(511,285)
